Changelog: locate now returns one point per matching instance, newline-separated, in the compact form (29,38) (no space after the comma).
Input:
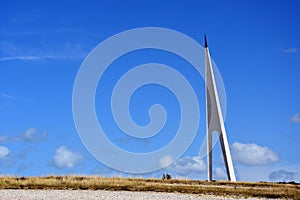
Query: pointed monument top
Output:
(205,41)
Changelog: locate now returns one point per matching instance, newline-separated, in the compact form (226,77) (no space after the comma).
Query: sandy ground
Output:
(99,194)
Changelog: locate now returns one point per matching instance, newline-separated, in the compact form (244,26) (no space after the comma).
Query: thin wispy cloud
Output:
(81,34)
(291,50)
(295,118)
(3,138)
(32,58)
(11,51)
(31,135)
(8,96)
(132,141)
(24,33)
(23,18)
(42,32)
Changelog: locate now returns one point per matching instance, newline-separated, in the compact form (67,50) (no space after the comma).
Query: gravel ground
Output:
(98,194)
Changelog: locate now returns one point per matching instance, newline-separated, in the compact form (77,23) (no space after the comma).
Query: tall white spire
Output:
(214,120)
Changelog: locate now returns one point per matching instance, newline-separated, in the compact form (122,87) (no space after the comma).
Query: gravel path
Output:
(98,194)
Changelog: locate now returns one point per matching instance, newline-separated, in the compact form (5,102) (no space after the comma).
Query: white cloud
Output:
(263,173)
(165,161)
(188,165)
(282,175)
(65,157)
(3,151)
(295,118)
(290,50)
(253,154)
(220,174)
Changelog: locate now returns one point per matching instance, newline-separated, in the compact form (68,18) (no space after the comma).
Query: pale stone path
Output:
(99,194)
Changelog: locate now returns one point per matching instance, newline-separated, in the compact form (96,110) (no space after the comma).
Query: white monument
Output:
(214,120)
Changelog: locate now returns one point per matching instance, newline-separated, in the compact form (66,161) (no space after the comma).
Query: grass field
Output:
(220,188)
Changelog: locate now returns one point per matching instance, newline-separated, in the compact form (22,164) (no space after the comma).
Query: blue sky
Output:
(255,44)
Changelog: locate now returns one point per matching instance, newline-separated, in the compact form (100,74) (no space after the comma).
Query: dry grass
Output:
(220,188)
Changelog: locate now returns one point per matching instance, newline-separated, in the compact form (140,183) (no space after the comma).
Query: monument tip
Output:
(205,41)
